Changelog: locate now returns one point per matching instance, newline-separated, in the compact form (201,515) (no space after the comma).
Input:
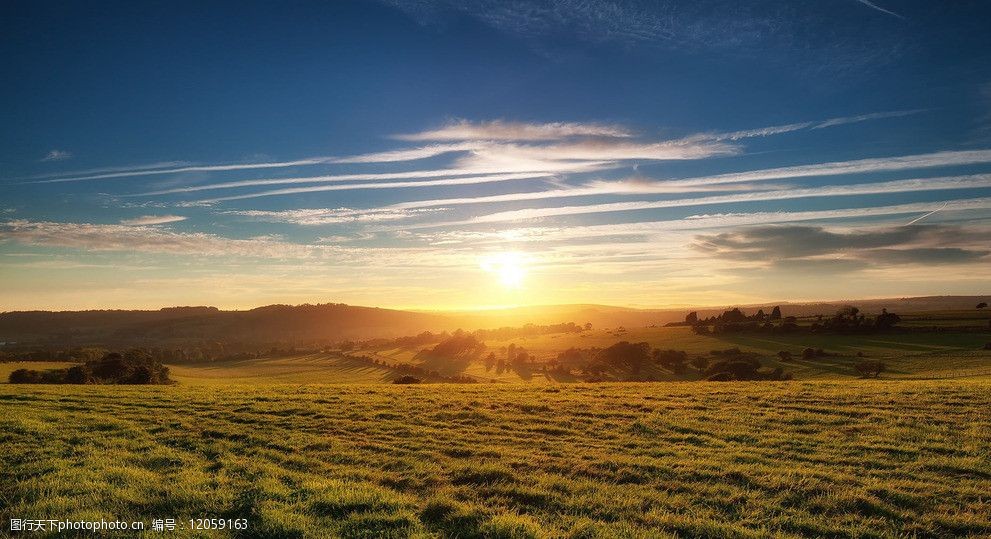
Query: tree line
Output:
(132,367)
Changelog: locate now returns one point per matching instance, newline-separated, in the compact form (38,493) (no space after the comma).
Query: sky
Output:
(443,154)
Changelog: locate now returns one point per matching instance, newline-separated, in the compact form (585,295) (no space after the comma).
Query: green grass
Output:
(815,459)
(302,369)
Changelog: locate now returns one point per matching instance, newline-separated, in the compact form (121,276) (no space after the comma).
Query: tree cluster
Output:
(133,367)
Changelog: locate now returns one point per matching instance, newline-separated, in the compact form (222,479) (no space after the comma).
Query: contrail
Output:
(917,219)
(881,9)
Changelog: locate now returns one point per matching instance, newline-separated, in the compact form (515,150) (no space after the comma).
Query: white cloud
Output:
(860,166)
(146,220)
(144,171)
(387,185)
(411,154)
(866,117)
(651,229)
(897,186)
(515,131)
(57,155)
(450,173)
(329,216)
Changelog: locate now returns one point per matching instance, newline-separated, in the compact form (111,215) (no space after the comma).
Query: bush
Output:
(24,376)
(743,368)
(808,353)
(870,368)
(784,355)
(112,369)
(407,379)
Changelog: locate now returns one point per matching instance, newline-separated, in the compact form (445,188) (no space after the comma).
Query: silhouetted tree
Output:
(870,368)
(700,363)
(625,354)
(886,320)
(674,360)
(982,305)
(784,355)
(692,318)
(775,313)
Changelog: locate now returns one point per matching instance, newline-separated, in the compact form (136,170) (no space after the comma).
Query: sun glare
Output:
(508,267)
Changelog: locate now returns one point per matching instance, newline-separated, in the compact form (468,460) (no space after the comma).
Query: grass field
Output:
(908,356)
(839,459)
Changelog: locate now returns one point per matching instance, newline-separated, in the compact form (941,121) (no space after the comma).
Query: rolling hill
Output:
(292,324)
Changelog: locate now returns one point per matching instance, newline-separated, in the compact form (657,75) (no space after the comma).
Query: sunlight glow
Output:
(509,267)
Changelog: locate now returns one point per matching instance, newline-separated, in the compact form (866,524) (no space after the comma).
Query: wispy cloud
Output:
(142,171)
(515,131)
(836,168)
(897,186)
(146,220)
(412,154)
(866,117)
(471,180)
(808,247)
(754,192)
(159,240)
(57,155)
(652,230)
(311,217)
(879,8)
(331,178)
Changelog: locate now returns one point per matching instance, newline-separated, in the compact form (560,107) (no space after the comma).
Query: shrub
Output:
(870,368)
(112,369)
(987,346)
(784,355)
(25,376)
(743,368)
(80,374)
(808,353)
(700,363)
(407,379)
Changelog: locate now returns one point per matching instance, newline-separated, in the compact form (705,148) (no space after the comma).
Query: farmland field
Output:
(841,459)
(908,356)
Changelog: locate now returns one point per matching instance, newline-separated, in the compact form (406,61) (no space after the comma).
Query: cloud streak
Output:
(897,186)
(146,220)
(473,180)
(881,9)
(514,131)
(140,171)
(313,217)
(56,155)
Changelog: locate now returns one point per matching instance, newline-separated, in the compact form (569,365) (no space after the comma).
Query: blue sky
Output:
(436,154)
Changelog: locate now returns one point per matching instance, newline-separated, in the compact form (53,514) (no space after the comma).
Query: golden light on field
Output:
(508,267)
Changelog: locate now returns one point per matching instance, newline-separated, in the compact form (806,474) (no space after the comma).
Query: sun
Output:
(508,267)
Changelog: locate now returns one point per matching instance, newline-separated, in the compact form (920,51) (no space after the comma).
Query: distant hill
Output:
(335,321)
(273,323)
(610,316)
